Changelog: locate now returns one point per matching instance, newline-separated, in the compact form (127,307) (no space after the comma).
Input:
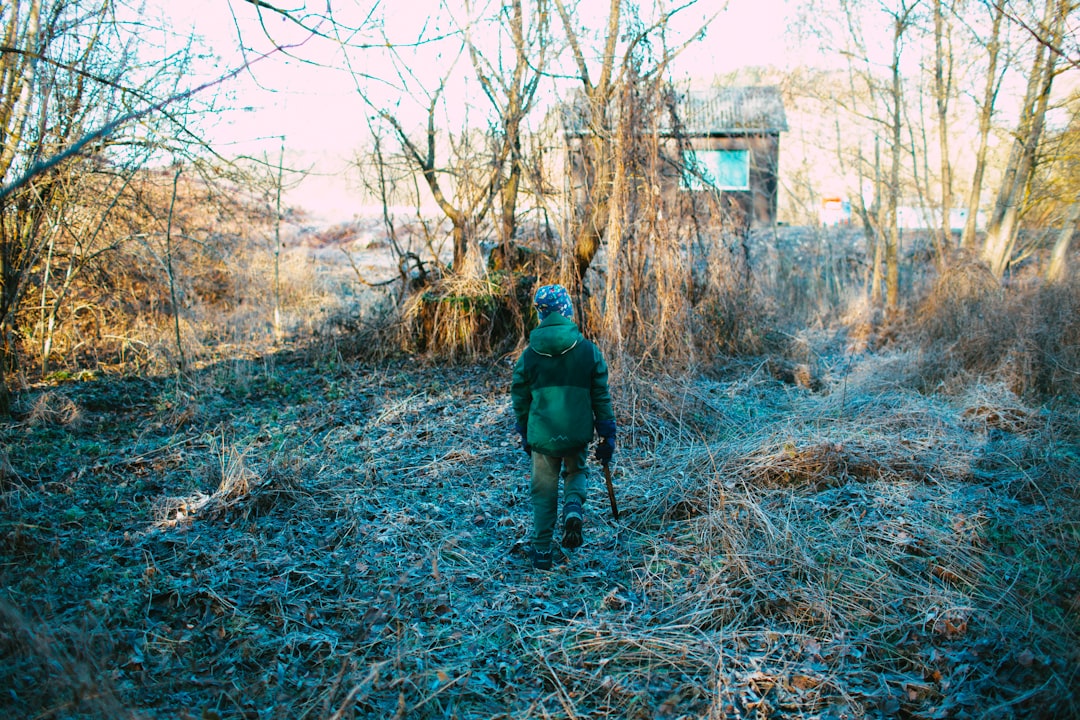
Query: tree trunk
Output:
(596,159)
(1058,269)
(278,335)
(616,224)
(1003,228)
(463,217)
(6,356)
(986,114)
(942,91)
(880,222)
(892,234)
(510,193)
(17,71)
(519,99)
(16,88)
(181,364)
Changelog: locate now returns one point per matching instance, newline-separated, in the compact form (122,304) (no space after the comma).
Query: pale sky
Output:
(319,110)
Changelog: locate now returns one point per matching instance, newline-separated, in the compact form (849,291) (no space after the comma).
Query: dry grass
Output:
(321,539)
(457,318)
(970,326)
(54,408)
(351,545)
(73,653)
(116,313)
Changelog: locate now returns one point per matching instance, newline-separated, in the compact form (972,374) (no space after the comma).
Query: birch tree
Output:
(1058,267)
(1004,222)
(1054,213)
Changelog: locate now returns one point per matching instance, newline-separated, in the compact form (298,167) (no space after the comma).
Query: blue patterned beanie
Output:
(553,298)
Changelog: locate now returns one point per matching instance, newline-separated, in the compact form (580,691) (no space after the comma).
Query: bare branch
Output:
(109,128)
(1043,35)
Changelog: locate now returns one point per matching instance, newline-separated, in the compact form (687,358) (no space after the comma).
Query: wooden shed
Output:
(725,145)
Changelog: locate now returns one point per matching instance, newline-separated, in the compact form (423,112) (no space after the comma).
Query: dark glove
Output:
(524,439)
(605,449)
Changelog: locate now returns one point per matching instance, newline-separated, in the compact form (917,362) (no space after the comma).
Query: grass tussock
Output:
(869,535)
(54,408)
(1052,336)
(468,318)
(734,319)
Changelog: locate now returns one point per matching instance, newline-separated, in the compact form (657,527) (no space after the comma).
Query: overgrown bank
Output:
(317,540)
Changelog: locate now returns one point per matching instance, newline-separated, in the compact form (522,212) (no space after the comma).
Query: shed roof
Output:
(749,110)
(732,111)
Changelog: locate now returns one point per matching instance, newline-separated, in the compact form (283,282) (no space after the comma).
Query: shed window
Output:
(719,169)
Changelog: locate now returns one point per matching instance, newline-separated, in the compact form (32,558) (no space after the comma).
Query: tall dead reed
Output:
(1027,334)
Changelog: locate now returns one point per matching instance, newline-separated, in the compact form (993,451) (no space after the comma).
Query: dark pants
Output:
(545,491)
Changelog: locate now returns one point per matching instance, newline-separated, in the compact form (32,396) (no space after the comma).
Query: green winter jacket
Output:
(560,389)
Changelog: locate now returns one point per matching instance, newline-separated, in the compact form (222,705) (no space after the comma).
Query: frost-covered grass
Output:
(310,538)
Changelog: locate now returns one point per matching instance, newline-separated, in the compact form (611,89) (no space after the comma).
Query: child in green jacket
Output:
(560,395)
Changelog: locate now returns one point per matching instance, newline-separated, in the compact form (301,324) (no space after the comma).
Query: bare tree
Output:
(467,174)
(84,236)
(620,68)
(471,198)
(21,241)
(81,110)
(884,97)
(992,85)
(597,167)
(278,184)
(625,155)
(181,365)
(901,18)
(873,111)
(61,73)
(1065,44)
(943,90)
(1003,226)
(1052,209)
(513,94)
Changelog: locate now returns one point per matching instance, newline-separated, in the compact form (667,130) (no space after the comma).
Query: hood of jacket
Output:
(555,335)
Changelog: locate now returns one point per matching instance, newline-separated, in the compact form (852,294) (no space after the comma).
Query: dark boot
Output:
(571,537)
(541,560)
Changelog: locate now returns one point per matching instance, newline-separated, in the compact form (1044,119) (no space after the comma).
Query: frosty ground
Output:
(307,536)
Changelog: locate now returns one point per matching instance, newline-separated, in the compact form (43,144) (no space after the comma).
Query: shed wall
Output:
(753,208)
